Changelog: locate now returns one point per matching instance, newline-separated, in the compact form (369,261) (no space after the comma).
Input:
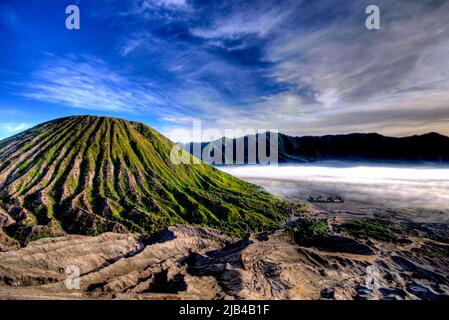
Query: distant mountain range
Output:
(88,175)
(431,147)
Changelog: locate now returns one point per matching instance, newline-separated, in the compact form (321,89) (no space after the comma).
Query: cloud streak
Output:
(11,128)
(340,77)
(88,83)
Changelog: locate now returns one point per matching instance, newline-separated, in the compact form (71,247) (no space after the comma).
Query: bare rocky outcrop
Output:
(186,262)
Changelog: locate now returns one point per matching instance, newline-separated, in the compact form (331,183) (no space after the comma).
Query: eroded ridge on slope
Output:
(89,175)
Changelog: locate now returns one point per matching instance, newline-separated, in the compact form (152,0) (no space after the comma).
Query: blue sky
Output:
(302,67)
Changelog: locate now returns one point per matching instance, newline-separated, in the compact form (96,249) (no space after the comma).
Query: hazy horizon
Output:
(239,136)
(389,185)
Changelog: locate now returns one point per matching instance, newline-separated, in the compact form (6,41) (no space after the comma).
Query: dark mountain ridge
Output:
(431,147)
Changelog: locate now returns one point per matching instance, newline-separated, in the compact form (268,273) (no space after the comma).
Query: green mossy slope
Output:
(88,175)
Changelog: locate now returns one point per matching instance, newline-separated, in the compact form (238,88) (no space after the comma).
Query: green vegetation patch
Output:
(308,230)
(38,236)
(369,228)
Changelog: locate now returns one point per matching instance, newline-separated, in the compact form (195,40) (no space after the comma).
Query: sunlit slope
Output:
(88,175)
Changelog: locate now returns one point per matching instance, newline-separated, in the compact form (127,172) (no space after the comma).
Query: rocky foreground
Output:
(186,262)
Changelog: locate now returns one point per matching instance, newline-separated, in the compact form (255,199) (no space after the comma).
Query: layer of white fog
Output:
(391,186)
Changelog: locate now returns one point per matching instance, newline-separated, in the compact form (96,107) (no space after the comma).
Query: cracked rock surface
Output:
(187,262)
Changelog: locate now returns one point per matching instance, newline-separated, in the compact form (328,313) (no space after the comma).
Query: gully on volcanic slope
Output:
(88,175)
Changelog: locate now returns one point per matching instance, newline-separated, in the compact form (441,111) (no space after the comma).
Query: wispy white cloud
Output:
(356,63)
(164,10)
(88,83)
(131,45)
(244,20)
(176,3)
(9,128)
(12,127)
(341,77)
(151,4)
